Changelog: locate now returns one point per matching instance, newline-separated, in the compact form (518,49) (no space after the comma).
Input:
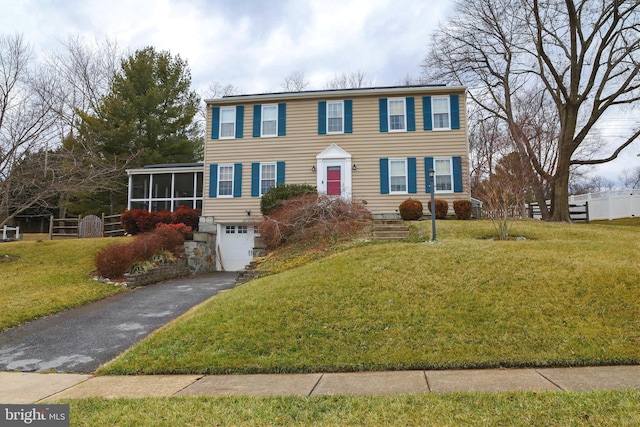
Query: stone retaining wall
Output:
(172,270)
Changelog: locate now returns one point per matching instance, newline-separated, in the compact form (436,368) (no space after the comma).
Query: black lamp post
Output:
(433,205)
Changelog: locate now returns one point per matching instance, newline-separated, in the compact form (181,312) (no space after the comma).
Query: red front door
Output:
(334,181)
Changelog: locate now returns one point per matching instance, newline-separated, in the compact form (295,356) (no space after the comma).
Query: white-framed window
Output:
(225,181)
(397,176)
(335,117)
(443,175)
(269,125)
(397,115)
(242,229)
(230,229)
(228,122)
(267,177)
(440,111)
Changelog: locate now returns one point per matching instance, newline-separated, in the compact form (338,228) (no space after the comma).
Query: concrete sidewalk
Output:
(21,387)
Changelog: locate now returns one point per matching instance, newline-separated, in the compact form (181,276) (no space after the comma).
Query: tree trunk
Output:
(560,190)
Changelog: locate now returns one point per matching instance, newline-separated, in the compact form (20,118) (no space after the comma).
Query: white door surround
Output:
(331,157)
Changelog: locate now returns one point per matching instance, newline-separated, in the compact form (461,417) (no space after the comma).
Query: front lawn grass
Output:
(598,408)
(566,296)
(38,278)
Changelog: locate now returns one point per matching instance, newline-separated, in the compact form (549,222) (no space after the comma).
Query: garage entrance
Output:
(235,246)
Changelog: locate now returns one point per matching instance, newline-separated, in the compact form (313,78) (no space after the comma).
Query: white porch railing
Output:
(610,204)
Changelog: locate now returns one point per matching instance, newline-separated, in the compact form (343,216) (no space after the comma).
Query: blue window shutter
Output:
(239,121)
(322,117)
(454,106)
(257,120)
(384,125)
(411,114)
(412,178)
(428,164)
(237,180)
(282,119)
(213,180)
(215,122)
(457,173)
(426,113)
(255,179)
(279,173)
(384,176)
(348,116)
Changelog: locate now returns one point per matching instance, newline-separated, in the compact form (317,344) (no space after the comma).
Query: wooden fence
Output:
(578,212)
(83,227)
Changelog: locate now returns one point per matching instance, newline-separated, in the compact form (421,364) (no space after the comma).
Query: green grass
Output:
(47,277)
(599,408)
(566,296)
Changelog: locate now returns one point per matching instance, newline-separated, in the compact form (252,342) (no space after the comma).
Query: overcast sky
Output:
(255,44)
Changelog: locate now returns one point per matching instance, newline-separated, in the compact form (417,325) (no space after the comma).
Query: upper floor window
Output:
(267,177)
(398,175)
(443,175)
(228,122)
(269,120)
(397,115)
(440,110)
(335,117)
(225,181)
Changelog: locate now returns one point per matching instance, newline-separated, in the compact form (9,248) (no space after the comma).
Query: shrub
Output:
(185,230)
(115,260)
(462,208)
(186,216)
(442,208)
(411,210)
(312,217)
(277,195)
(129,220)
(170,240)
(147,222)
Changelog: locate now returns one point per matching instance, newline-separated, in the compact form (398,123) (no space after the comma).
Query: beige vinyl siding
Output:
(298,149)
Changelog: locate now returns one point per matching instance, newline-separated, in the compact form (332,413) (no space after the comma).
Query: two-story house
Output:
(375,145)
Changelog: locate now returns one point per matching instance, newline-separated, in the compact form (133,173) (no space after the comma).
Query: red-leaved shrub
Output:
(129,220)
(442,208)
(185,230)
(463,209)
(410,210)
(115,260)
(186,216)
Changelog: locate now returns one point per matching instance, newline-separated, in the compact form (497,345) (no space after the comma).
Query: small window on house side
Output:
(242,229)
(228,122)
(397,115)
(440,111)
(443,175)
(335,117)
(398,175)
(267,177)
(230,229)
(269,120)
(225,181)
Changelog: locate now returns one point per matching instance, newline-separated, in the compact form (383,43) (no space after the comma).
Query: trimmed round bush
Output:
(411,210)
(442,208)
(463,209)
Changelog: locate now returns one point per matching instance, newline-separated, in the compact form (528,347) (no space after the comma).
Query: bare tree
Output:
(295,82)
(219,90)
(582,56)
(85,71)
(630,177)
(34,165)
(352,80)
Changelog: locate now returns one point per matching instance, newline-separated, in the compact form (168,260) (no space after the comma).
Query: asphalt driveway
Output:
(83,338)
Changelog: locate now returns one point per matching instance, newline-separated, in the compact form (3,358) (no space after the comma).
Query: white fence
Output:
(610,204)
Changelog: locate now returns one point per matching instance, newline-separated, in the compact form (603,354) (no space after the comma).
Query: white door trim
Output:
(334,156)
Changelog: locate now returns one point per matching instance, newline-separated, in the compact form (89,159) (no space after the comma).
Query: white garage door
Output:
(235,246)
